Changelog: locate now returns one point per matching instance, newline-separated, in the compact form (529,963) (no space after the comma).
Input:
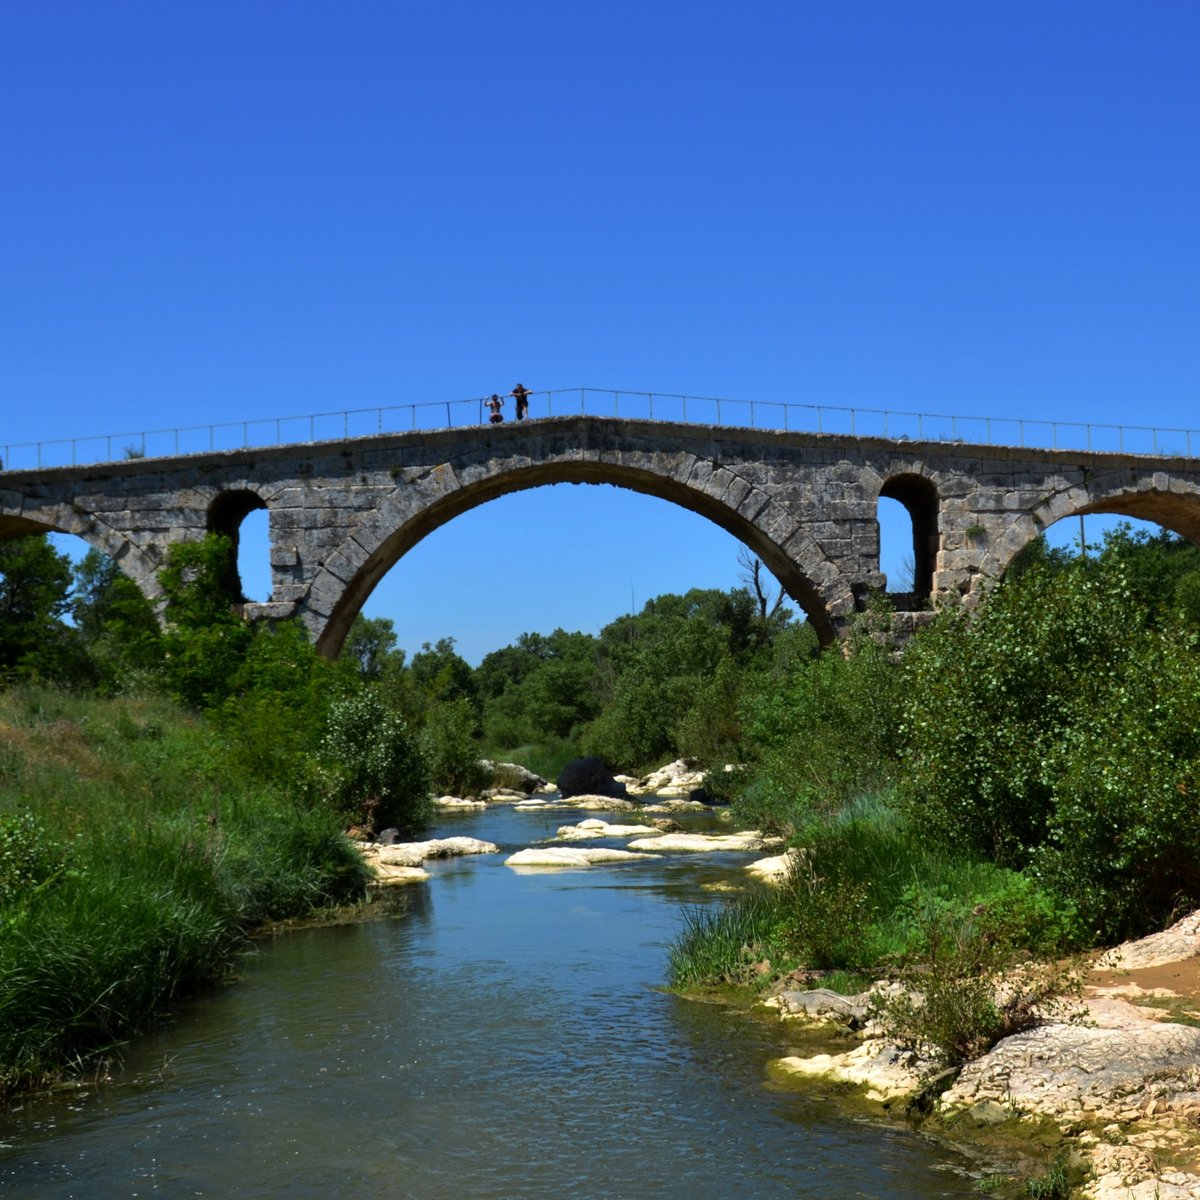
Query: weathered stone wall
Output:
(342,513)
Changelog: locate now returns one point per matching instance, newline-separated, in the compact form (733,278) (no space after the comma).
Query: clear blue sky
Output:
(220,211)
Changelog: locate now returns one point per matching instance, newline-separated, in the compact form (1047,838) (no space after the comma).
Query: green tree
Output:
(820,729)
(117,624)
(1057,730)
(277,700)
(451,751)
(371,647)
(377,774)
(35,587)
(443,674)
(542,687)
(206,638)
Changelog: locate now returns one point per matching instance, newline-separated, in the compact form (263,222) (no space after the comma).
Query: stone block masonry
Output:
(342,513)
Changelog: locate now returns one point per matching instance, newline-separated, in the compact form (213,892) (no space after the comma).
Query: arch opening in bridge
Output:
(1077,520)
(538,560)
(919,499)
(241,515)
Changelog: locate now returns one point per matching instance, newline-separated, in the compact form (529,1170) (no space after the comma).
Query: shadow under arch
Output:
(226,513)
(919,497)
(803,570)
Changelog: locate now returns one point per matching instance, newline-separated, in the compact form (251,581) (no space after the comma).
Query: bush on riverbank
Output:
(869,894)
(1057,731)
(135,855)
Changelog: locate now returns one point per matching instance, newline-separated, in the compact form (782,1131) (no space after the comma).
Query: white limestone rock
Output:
(501,795)
(1179,942)
(706,843)
(679,778)
(389,875)
(820,1004)
(413,854)
(592,803)
(569,856)
(1120,1068)
(595,828)
(773,870)
(458,802)
(882,1070)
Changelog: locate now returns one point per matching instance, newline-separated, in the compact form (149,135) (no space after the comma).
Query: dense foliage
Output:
(1058,731)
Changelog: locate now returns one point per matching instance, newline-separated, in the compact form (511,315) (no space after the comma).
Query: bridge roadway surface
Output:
(342,512)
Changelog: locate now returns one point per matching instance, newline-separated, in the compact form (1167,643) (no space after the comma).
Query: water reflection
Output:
(501,1035)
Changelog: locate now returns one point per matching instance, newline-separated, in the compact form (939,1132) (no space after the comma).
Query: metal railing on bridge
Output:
(654,406)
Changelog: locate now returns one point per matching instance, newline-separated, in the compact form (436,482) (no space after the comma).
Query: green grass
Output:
(721,945)
(866,893)
(137,858)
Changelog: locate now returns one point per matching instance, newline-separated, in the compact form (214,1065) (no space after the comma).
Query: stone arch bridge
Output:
(341,513)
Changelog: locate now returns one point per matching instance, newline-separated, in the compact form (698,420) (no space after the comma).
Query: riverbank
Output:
(136,855)
(1116,1096)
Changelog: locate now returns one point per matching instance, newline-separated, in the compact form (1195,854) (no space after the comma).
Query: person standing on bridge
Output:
(495,404)
(521,394)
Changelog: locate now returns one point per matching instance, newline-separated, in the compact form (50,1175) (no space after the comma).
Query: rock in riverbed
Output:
(413,854)
(595,828)
(702,843)
(569,856)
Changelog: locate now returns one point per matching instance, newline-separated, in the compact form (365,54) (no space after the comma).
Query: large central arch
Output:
(388,533)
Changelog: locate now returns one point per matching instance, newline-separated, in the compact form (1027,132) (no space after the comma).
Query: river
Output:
(501,1034)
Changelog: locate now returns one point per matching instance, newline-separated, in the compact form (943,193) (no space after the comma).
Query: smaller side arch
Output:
(226,513)
(919,496)
(137,562)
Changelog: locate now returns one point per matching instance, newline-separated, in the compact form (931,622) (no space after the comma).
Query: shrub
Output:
(969,985)
(822,731)
(377,774)
(1058,729)
(29,857)
(451,750)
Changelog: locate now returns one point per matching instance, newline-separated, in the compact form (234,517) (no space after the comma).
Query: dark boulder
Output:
(589,777)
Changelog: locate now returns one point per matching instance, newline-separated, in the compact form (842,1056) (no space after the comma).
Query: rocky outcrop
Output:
(590,777)
(1180,942)
(1121,1066)
(883,1071)
(678,779)
(512,777)
(820,1004)
(1124,1084)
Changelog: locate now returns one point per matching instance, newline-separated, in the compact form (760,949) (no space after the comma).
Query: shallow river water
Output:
(502,1035)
